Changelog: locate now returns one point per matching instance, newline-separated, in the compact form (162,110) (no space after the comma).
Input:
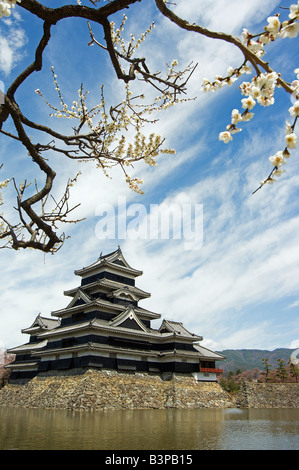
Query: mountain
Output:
(248,359)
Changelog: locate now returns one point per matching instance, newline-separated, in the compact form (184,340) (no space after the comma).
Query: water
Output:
(171,429)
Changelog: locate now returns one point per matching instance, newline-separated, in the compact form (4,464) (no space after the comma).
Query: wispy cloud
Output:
(12,41)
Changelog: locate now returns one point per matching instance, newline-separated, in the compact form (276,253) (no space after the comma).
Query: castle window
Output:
(78,317)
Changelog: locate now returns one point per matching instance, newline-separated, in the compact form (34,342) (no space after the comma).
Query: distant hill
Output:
(248,359)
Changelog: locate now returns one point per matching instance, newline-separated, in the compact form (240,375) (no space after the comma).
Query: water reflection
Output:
(169,429)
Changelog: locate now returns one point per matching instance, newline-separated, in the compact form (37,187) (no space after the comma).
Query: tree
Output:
(281,371)
(293,370)
(267,368)
(229,385)
(99,134)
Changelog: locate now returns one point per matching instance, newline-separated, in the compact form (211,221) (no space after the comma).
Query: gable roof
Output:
(113,260)
(207,353)
(123,292)
(109,285)
(178,329)
(80,294)
(130,314)
(41,323)
(28,347)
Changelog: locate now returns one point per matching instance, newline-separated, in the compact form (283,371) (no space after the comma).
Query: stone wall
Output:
(268,395)
(102,389)
(99,389)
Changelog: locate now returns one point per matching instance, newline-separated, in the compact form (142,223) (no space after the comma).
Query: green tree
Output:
(267,367)
(230,385)
(281,371)
(294,372)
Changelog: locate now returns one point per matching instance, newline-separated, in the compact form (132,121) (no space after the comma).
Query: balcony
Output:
(210,369)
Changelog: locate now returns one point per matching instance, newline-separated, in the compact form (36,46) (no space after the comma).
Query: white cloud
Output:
(247,259)
(293,304)
(12,40)
(222,15)
(294,344)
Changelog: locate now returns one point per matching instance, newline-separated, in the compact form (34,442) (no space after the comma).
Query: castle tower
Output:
(103,326)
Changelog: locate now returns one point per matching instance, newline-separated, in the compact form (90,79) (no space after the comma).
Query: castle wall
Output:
(102,389)
(268,395)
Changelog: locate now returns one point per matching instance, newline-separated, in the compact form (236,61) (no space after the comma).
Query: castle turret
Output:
(103,326)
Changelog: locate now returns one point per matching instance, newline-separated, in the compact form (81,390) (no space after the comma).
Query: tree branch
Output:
(249,55)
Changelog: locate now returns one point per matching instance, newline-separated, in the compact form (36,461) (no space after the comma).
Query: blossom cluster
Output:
(259,90)
(3,184)
(129,48)
(5,7)
(280,158)
(229,79)
(274,29)
(262,86)
(108,145)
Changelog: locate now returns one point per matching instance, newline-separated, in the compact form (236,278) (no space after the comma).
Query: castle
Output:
(103,326)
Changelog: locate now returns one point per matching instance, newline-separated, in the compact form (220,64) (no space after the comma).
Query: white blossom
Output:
(246,69)
(245,36)
(294,11)
(234,130)
(278,172)
(256,47)
(248,103)
(254,92)
(294,110)
(266,38)
(4,183)
(278,159)
(295,84)
(291,141)
(236,116)
(289,30)
(273,24)
(288,128)
(247,116)
(225,136)
(265,101)
(5,7)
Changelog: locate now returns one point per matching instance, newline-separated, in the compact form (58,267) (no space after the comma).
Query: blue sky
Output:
(239,288)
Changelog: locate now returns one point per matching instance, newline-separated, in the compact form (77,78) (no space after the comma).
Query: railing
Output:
(208,369)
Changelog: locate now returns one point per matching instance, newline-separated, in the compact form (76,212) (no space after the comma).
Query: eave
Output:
(107,285)
(102,265)
(104,305)
(20,365)
(102,348)
(208,354)
(107,328)
(119,350)
(28,347)
(107,261)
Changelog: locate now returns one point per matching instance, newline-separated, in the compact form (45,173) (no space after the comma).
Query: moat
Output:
(171,429)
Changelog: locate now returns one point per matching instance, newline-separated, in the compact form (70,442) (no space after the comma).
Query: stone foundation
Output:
(102,389)
(268,395)
(112,390)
